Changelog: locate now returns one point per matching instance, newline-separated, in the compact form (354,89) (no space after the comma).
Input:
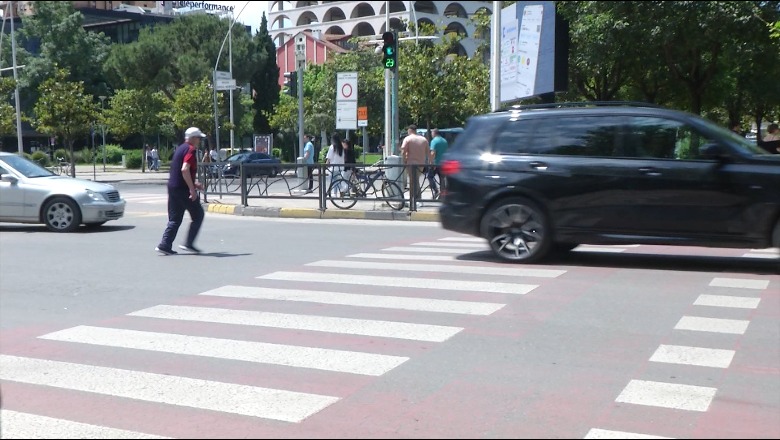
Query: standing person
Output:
(148,154)
(155,159)
(415,151)
(214,155)
(308,159)
(183,194)
(771,142)
(439,146)
(335,158)
(737,128)
(349,158)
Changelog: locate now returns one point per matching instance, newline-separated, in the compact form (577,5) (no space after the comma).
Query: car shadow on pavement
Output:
(635,260)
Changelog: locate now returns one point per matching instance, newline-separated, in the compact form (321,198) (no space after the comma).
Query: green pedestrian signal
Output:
(390,50)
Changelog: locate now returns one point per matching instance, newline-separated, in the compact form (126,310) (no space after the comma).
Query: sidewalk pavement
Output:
(292,207)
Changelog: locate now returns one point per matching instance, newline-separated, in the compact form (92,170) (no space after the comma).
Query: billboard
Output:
(528,51)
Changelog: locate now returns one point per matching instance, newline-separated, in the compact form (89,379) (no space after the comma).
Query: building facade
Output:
(340,19)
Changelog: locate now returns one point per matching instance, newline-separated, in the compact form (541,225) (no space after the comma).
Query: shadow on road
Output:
(634,260)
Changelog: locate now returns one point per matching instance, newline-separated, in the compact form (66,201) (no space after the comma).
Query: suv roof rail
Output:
(582,104)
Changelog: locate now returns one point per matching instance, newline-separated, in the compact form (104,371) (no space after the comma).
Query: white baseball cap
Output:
(193,132)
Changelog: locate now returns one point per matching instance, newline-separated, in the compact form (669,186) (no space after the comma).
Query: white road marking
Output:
(587,248)
(416,283)
(466,239)
(739,283)
(430,250)
(667,395)
(739,302)
(365,327)
(702,357)
(288,355)
(358,300)
(715,325)
(468,245)
(596,433)
(475,270)
(20,425)
(231,398)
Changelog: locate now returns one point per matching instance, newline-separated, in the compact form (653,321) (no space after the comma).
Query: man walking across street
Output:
(438,148)
(414,150)
(308,159)
(183,194)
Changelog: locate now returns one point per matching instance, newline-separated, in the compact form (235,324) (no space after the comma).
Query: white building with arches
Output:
(338,20)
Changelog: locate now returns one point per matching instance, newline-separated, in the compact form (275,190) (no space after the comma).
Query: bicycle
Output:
(344,193)
(62,167)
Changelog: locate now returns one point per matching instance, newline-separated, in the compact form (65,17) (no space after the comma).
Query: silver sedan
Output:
(30,193)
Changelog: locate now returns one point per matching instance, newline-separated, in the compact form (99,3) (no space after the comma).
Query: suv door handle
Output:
(538,165)
(649,171)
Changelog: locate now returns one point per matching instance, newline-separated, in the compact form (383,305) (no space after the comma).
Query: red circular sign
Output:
(346,90)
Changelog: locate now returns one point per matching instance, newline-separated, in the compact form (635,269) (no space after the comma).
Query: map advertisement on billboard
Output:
(527,50)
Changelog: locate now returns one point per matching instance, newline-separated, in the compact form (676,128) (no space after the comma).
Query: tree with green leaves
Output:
(7,110)
(191,106)
(264,82)
(134,111)
(171,56)
(58,30)
(64,110)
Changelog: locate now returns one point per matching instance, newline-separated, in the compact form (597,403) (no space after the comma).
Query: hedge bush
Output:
(41,158)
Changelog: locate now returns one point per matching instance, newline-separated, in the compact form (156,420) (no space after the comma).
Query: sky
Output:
(250,14)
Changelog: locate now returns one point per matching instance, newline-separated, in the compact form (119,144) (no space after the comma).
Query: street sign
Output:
(226,84)
(362,116)
(346,115)
(221,74)
(347,86)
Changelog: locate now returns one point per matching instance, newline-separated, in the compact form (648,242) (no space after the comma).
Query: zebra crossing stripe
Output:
(288,355)
(429,250)
(405,257)
(716,325)
(224,397)
(364,327)
(471,246)
(417,283)
(739,283)
(738,302)
(476,270)
(358,300)
(23,425)
(596,433)
(667,395)
(466,239)
(703,357)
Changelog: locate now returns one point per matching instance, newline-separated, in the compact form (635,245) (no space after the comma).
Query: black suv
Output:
(541,178)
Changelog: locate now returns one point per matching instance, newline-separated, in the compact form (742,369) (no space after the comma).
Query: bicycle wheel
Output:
(342,194)
(393,195)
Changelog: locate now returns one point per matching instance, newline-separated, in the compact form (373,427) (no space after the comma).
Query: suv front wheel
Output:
(517,230)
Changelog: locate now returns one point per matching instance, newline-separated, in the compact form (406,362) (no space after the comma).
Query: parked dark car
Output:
(543,178)
(233,165)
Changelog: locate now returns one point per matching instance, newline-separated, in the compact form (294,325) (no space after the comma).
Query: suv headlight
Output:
(96,196)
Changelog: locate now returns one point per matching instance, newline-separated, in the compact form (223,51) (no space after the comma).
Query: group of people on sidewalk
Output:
(152,158)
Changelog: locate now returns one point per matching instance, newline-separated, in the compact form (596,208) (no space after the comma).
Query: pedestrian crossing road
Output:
(264,360)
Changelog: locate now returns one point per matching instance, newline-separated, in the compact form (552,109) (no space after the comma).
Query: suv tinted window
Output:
(568,135)
(662,138)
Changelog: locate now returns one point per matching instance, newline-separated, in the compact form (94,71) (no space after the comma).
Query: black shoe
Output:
(165,251)
(189,248)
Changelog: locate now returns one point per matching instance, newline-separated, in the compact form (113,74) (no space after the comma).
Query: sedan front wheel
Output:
(61,214)
(517,230)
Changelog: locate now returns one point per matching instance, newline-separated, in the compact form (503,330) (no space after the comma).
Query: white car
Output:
(30,193)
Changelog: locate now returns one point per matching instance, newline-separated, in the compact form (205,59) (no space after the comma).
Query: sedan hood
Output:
(69,183)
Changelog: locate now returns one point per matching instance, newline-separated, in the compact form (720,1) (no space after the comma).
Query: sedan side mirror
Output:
(13,180)
(710,151)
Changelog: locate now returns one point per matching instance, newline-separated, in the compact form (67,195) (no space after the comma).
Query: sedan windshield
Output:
(26,167)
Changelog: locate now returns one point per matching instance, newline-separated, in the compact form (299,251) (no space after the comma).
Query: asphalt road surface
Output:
(288,328)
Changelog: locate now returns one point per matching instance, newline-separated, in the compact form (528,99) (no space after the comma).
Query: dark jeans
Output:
(178,202)
(310,171)
(434,171)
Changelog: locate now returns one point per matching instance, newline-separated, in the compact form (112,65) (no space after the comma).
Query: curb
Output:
(257,211)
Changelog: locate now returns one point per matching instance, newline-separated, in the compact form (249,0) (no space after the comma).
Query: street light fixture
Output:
(230,68)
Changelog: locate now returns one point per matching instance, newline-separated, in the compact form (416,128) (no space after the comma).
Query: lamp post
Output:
(216,64)
(103,130)
(16,80)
